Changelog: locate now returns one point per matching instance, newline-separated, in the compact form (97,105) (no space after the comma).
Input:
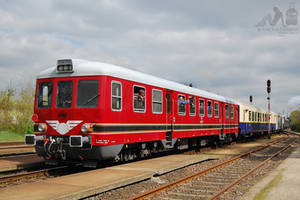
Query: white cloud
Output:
(212,44)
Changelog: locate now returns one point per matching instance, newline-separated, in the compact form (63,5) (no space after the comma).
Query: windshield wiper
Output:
(91,99)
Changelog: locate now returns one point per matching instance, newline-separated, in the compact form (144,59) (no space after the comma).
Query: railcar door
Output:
(169,115)
(222,118)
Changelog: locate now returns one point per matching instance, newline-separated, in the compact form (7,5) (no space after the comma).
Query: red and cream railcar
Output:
(95,111)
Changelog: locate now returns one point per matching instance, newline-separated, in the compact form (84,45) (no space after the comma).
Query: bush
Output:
(16,109)
(295,120)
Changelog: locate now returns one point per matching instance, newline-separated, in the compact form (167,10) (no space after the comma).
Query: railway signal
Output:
(269,106)
(251,98)
(269,86)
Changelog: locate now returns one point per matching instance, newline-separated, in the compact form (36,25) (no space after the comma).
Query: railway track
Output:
(213,182)
(20,177)
(15,148)
(11,143)
(13,179)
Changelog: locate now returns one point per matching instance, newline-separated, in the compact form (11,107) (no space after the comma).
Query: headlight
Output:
(84,128)
(41,127)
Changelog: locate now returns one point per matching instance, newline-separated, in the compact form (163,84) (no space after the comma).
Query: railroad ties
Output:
(215,181)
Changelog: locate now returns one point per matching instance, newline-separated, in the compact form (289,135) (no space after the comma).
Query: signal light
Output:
(269,86)
(64,66)
(251,98)
(35,117)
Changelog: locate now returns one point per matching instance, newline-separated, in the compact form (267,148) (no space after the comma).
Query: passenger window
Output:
(250,116)
(253,116)
(87,94)
(201,107)
(209,109)
(116,96)
(231,112)
(139,99)
(216,110)
(45,95)
(157,101)
(181,104)
(226,111)
(64,94)
(192,105)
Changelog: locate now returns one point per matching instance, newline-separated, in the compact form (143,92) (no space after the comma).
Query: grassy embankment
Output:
(6,136)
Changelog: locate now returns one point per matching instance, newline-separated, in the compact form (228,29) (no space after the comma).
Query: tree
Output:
(16,109)
(295,120)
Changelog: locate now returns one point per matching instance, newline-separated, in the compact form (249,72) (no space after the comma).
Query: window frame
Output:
(111,95)
(134,109)
(195,100)
(72,99)
(38,95)
(211,114)
(250,116)
(218,109)
(227,111)
(162,105)
(77,84)
(202,115)
(180,113)
(231,112)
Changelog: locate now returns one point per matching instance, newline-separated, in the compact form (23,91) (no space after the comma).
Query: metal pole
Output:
(269,116)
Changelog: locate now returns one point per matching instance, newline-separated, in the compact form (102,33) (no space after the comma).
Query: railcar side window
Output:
(45,95)
(250,116)
(157,101)
(181,104)
(87,93)
(216,109)
(209,109)
(266,118)
(226,111)
(201,107)
(64,94)
(192,104)
(116,96)
(139,99)
(253,116)
(231,112)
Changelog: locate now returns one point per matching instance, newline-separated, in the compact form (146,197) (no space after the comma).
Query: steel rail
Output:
(173,184)
(250,172)
(16,147)
(11,143)
(37,173)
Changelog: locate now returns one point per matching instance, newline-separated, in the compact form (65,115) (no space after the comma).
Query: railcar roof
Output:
(90,68)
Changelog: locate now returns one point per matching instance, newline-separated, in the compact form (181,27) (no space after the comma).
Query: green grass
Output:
(263,194)
(6,136)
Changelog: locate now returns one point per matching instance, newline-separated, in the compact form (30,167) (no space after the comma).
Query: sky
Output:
(228,48)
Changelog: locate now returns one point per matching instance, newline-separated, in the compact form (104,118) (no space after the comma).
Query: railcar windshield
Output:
(64,94)
(87,93)
(45,95)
